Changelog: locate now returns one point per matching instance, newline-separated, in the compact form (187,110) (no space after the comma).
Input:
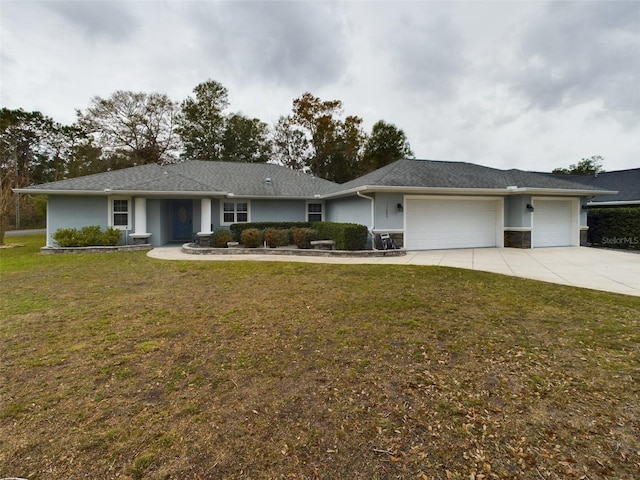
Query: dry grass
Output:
(120,366)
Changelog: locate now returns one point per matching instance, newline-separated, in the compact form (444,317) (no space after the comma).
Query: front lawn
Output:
(122,366)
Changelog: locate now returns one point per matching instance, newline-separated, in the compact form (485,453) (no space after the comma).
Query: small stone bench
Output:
(323,244)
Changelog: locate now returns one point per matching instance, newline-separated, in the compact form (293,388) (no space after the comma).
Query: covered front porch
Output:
(161,221)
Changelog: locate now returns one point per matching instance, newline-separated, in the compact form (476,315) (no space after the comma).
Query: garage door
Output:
(439,224)
(552,223)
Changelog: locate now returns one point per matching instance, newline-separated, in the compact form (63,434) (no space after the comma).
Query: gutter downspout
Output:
(373,217)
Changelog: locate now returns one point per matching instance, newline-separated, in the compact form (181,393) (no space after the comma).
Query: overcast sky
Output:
(531,85)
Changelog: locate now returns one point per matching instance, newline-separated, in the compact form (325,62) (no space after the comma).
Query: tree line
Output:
(137,128)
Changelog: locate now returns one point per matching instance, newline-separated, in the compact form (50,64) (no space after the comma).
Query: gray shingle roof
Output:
(443,174)
(241,179)
(626,182)
(250,179)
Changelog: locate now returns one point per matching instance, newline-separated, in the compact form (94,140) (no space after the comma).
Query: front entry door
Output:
(182,220)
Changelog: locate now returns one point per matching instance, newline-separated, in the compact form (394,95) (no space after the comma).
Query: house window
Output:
(120,213)
(314,212)
(235,212)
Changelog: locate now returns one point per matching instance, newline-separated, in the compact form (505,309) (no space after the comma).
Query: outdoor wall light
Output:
(400,208)
(585,207)
(529,207)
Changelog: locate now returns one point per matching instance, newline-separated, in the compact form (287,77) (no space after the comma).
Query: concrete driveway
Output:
(606,270)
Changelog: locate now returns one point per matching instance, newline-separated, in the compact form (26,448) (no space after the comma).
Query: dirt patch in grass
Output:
(121,366)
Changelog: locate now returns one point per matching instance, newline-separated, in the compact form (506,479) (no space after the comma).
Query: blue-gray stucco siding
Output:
(75,212)
(349,210)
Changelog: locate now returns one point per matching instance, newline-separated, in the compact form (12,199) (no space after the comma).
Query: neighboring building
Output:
(625,182)
(425,204)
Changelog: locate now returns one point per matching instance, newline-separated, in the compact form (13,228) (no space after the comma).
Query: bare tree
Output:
(133,128)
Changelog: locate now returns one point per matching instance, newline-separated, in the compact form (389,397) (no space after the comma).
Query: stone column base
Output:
(204,239)
(583,237)
(517,238)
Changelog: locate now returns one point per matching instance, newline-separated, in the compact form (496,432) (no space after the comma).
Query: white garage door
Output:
(440,224)
(552,224)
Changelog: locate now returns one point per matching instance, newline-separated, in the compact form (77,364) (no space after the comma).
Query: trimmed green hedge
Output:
(614,227)
(348,236)
(88,236)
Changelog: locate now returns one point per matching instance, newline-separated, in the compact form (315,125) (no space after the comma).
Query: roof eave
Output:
(614,203)
(468,191)
(565,191)
(128,193)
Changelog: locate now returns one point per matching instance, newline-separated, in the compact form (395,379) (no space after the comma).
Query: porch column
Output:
(204,235)
(205,215)
(140,235)
(141,215)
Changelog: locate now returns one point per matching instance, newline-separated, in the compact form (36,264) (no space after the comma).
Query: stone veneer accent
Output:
(96,249)
(194,249)
(583,237)
(517,239)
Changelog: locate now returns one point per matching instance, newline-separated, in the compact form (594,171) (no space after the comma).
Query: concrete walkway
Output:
(606,270)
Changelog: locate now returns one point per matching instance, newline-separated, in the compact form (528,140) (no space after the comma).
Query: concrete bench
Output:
(323,244)
(140,238)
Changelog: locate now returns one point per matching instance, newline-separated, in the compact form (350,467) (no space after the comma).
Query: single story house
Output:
(625,182)
(424,204)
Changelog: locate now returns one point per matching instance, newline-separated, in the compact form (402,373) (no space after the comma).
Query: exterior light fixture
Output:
(529,207)
(400,207)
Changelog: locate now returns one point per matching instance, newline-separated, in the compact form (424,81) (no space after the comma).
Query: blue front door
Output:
(182,220)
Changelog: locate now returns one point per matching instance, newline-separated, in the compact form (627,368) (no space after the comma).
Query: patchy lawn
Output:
(121,366)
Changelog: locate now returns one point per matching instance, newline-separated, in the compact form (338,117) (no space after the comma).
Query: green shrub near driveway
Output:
(614,227)
(348,236)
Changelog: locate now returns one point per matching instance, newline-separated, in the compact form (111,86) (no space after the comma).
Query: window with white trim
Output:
(315,212)
(234,212)
(120,213)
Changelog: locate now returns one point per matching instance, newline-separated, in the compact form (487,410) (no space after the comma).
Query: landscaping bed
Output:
(47,250)
(194,249)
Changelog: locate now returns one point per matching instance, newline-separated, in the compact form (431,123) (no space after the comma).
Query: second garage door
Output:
(446,223)
(554,223)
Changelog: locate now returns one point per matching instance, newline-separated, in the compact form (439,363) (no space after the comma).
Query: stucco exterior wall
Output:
(387,214)
(277,210)
(158,221)
(75,212)
(515,211)
(349,210)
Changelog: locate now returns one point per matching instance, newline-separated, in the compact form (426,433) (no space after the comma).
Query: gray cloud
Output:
(578,52)
(413,44)
(293,43)
(426,53)
(112,20)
